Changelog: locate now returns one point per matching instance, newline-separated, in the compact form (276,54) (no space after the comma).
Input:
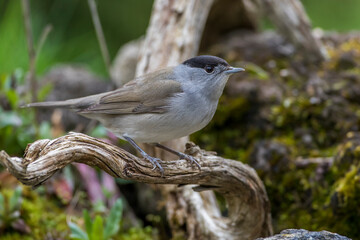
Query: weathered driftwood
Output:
(249,209)
(174,33)
(291,20)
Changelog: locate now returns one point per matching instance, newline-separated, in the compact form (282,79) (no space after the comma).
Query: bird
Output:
(163,105)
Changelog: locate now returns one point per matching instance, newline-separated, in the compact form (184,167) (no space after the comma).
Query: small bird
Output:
(159,106)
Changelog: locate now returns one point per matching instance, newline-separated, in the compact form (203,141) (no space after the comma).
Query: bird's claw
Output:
(190,159)
(156,163)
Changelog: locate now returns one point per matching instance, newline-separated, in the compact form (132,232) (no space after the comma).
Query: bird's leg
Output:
(153,160)
(181,155)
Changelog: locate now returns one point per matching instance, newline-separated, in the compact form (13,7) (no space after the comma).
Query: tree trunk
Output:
(173,36)
(291,20)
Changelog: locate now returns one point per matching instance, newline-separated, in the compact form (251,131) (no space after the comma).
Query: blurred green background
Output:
(73,38)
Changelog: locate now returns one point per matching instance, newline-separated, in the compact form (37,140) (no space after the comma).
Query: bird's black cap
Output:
(205,60)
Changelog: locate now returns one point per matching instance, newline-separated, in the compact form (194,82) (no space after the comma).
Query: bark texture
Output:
(249,209)
(174,33)
(291,20)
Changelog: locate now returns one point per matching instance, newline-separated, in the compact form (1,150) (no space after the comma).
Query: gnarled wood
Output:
(291,20)
(174,33)
(249,209)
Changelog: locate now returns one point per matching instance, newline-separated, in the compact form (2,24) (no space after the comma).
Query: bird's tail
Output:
(75,104)
(53,104)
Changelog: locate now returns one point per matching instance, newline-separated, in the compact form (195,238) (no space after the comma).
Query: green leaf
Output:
(13,98)
(88,223)
(99,207)
(113,220)
(5,83)
(97,229)
(77,232)
(107,193)
(257,71)
(98,132)
(15,200)
(45,130)
(9,119)
(3,78)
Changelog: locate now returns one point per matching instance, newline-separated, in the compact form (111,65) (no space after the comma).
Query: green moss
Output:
(349,185)
(15,236)
(146,233)
(42,216)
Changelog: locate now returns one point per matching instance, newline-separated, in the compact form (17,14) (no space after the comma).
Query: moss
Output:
(15,236)
(146,233)
(42,216)
(348,186)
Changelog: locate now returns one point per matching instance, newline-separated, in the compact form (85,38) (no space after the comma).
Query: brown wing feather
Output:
(137,97)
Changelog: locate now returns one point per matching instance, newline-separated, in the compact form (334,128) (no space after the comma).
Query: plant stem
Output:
(31,50)
(100,34)
(43,37)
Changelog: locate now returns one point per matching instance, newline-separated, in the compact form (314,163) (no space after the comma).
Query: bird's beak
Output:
(231,70)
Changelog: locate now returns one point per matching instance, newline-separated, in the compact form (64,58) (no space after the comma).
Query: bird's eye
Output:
(209,68)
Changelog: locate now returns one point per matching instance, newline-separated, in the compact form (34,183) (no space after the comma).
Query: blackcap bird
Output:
(159,106)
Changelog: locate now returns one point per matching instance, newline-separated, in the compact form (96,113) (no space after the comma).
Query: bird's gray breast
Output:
(193,111)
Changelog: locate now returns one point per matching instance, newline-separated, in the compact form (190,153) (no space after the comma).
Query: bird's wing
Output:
(136,97)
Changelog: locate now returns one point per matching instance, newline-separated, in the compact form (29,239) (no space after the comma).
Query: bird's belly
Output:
(159,127)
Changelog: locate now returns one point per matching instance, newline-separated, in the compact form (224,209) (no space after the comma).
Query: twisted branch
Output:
(249,211)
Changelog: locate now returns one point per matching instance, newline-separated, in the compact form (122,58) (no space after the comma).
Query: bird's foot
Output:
(190,159)
(155,162)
